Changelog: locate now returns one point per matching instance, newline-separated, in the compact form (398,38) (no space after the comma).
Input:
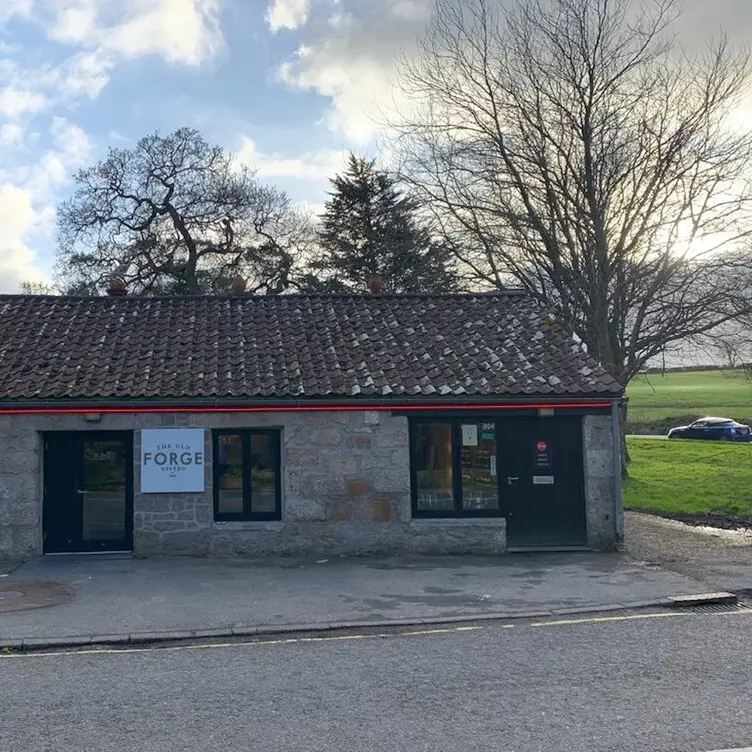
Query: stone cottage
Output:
(295,424)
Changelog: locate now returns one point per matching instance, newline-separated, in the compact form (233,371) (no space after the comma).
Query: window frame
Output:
(248,515)
(458,512)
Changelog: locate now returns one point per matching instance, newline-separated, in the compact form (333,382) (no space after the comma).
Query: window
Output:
(453,466)
(433,465)
(247,475)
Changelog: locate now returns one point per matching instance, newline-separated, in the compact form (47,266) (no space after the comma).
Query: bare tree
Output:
(732,344)
(79,287)
(176,215)
(571,147)
(34,287)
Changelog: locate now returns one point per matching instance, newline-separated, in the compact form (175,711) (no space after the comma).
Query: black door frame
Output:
(500,417)
(454,421)
(511,500)
(75,456)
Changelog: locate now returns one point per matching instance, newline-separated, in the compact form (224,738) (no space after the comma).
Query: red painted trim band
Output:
(302,409)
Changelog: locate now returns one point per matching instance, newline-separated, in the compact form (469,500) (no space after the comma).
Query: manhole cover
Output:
(719,608)
(23,596)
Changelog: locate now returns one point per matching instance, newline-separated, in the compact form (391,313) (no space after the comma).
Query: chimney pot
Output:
(238,285)
(376,284)
(117,288)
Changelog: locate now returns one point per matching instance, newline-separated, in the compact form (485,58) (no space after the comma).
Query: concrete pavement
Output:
(721,559)
(125,599)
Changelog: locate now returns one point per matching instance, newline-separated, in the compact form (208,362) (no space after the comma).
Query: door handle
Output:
(81,492)
(511,479)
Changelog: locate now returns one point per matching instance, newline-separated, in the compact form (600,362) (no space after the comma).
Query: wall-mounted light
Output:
(546,412)
(92,417)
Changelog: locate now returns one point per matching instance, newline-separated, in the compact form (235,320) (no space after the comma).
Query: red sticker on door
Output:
(542,446)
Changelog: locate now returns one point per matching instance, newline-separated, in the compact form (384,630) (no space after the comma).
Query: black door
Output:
(541,481)
(88,492)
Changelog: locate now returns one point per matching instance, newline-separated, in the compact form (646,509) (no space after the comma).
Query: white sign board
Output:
(172,460)
(469,434)
(543,480)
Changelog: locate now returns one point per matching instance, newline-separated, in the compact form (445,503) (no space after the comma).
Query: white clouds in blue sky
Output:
(57,58)
(287,14)
(289,85)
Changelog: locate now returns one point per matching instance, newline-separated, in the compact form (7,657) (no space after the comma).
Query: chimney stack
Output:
(376,284)
(238,285)
(117,288)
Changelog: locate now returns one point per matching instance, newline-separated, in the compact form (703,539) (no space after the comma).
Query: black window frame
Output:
(248,515)
(458,511)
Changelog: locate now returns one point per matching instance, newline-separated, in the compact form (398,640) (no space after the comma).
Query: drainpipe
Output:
(619,509)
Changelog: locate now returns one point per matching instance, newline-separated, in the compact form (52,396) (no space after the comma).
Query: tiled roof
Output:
(288,346)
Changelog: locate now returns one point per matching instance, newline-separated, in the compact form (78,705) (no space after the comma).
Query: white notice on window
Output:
(493,465)
(469,434)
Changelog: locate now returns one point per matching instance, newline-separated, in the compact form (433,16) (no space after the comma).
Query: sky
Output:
(290,86)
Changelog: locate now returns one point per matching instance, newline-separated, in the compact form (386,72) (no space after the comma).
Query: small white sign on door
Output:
(469,434)
(172,460)
(543,480)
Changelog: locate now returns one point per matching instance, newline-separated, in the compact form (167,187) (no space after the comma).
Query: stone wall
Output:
(345,490)
(600,489)
(20,488)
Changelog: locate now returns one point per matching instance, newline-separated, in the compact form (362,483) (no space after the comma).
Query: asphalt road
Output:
(666,684)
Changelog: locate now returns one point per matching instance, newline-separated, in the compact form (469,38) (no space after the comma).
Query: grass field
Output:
(690,478)
(656,402)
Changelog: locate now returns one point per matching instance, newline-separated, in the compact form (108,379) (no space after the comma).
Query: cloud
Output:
(27,200)
(85,74)
(314,165)
(179,31)
(287,14)
(348,51)
(102,34)
(350,57)
(17,218)
(72,22)
(15,102)
(11,134)
(78,46)
(11,8)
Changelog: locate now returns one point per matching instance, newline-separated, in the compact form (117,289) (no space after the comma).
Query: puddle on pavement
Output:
(24,596)
(741,537)
(394,602)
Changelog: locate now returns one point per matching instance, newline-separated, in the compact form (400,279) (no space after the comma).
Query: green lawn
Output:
(657,402)
(690,477)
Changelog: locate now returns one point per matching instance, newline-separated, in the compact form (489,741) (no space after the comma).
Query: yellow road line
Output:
(240,643)
(360,636)
(597,619)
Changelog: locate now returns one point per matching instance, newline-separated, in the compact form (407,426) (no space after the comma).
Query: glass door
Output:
(88,492)
(105,494)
